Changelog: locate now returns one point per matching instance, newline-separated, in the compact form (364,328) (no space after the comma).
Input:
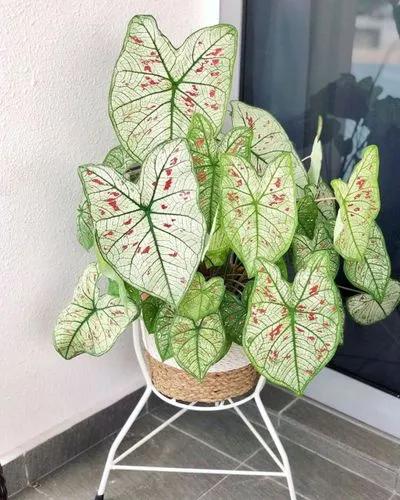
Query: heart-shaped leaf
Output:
(156,88)
(316,157)
(359,205)
(233,313)
(292,331)
(202,297)
(92,322)
(120,160)
(162,331)
(84,225)
(150,309)
(373,272)
(258,212)
(365,310)
(269,140)
(152,232)
(197,346)
(304,248)
(307,213)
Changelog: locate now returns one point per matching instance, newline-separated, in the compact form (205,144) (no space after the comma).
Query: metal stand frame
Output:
(114,463)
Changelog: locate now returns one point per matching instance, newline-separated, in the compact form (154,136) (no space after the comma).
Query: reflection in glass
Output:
(339,59)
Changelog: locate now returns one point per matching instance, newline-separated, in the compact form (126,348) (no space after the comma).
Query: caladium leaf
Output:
(307,213)
(258,212)
(84,225)
(359,205)
(304,248)
(326,206)
(206,155)
(269,140)
(316,157)
(204,149)
(120,160)
(150,309)
(152,232)
(202,297)
(365,310)
(233,313)
(156,88)
(92,322)
(237,142)
(292,331)
(162,331)
(198,345)
(372,273)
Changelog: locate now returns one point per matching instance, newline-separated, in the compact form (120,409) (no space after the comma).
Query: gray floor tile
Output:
(223,430)
(344,456)
(250,488)
(30,494)
(274,399)
(79,479)
(340,431)
(319,479)
(15,475)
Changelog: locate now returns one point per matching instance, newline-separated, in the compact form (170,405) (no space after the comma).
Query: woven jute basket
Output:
(232,376)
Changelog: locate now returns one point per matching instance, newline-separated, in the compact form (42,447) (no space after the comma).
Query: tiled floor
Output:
(331,457)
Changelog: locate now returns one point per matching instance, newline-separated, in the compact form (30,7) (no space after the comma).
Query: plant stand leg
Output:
(278,444)
(122,433)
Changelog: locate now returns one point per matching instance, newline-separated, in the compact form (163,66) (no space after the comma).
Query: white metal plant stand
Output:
(114,463)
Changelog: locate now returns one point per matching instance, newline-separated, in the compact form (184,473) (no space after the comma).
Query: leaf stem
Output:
(348,289)
(329,198)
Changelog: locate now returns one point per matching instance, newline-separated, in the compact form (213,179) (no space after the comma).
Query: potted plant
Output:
(224,244)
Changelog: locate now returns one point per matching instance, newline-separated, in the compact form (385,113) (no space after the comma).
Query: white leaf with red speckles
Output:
(292,331)
(92,322)
(269,140)
(372,273)
(152,232)
(198,345)
(365,310)
(259,214)
(156,88)
(359,204)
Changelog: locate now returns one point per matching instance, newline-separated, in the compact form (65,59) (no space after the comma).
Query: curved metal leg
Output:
(122,433)
(278,444)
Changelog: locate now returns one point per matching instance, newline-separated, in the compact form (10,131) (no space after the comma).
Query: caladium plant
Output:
(217,238)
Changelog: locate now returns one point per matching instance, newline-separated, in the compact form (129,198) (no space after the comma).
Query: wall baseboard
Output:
(26,469)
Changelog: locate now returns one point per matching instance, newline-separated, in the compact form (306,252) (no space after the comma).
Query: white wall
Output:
(57,58)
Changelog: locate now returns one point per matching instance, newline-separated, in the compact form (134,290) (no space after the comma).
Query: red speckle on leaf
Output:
(147,68)
(311,338)
(113,204)
(164,206)
(232,196)
(360,182)
(102,212)
(173,254)
(214,106)
(275,331)
(273,356)
(215,62)
(249,120)
(130,231)
(124,247)
(168,171)
(201,176)
(98,181)
(299,329)
(199,142)
(146,250)
(314,289)
(278,182)
(322,302)
(308,372)
(311,316)
(167,184)
(200,68)
(212,93)
(109,233)
(136,39)
(216,52)
(277,199)
(127,222)
(214,73)
(167,225)
(173,161)
(188,101)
